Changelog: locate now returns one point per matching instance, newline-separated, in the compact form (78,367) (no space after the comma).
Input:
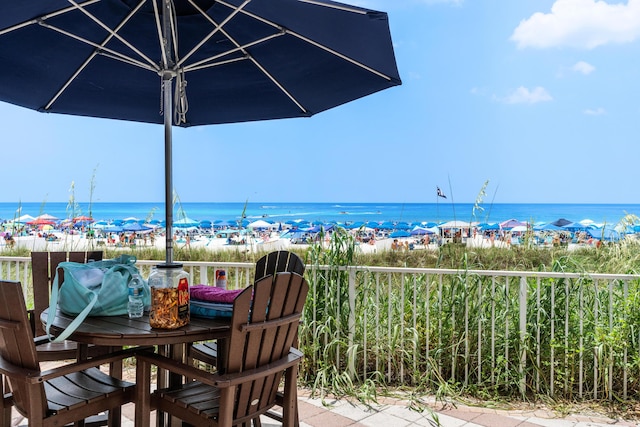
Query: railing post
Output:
(351,355)
(523,334)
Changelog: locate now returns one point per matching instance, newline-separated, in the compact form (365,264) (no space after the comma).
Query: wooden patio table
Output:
(119,331)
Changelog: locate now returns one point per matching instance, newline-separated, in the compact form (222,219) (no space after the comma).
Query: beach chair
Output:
(268,265)
(259,354)
(58,396)
(43,270)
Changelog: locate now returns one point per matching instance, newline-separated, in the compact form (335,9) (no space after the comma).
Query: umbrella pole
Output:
(168,161)
(167,86)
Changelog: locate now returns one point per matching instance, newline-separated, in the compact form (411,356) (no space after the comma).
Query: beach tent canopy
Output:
(561,222)
(400,233)
(135,226)
(604,233)
(575,226)
(260,224)
(24,218)
(421,231)
(186,222)
(547,227)
(511,223)
(455,224)
(491,226)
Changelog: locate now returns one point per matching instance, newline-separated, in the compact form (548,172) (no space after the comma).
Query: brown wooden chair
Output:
(43,269)
(57,396)
(270,264)
(259,353)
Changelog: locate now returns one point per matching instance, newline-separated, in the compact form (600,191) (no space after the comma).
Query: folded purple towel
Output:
(213,294)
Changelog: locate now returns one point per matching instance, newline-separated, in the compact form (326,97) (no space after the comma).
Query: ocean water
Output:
(333,212)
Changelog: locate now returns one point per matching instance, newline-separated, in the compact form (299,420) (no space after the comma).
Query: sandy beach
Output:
(81,242)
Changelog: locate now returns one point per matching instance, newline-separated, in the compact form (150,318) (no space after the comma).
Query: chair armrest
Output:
(215,379)
(228,380)
(85,364)
(17,372)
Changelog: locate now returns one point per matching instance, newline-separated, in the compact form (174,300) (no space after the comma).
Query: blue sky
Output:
(537,97)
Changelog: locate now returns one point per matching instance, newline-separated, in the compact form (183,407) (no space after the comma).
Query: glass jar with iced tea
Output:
(169,285)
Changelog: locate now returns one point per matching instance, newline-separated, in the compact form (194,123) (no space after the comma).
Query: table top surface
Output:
(121,330)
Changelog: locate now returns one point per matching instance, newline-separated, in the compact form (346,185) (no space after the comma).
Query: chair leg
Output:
(5,405)
(290,398)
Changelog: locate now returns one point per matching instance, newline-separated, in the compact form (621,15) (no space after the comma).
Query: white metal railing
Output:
(562,334)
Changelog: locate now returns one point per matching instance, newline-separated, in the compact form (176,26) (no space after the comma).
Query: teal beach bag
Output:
(98,288)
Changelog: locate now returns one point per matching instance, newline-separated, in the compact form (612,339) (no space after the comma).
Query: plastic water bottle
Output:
(221,279)
(136,292)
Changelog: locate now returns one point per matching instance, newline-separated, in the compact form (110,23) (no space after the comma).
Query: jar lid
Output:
(167,266)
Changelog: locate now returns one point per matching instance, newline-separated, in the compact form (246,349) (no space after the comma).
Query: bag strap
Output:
(75,323)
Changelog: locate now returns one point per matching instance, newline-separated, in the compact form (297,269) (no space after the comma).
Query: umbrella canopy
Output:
(83,218)
(243,60)
(135,226)
(24,218)
(41,221)
(260,223)
(186,222)
(400,233)
(561,222)
(420,231)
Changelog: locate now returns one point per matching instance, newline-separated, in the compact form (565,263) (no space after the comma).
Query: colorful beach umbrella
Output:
(226,61)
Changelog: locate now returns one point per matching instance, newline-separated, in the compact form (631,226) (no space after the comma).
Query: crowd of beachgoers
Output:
(46,232)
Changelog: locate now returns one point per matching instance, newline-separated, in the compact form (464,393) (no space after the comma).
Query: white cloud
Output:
(523,95)
(595,112)
(583,24)
(583,67)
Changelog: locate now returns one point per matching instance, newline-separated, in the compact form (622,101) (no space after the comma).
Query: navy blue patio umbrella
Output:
(199,62)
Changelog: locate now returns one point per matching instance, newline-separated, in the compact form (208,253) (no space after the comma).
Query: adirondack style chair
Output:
(259,355)
(270,264)
(43,270)
(57,396)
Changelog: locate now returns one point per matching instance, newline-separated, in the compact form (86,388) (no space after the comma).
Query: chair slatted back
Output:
(17,347)
(278,261)
(43,270)
(266,336)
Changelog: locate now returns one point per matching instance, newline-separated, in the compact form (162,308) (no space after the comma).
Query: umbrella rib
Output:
(90,58)
(318,45)
(239,47)
(102,49)
(50,15)
(205,63)
(218,27)
(215,64)
(116,35)
(156,13)
(338,54)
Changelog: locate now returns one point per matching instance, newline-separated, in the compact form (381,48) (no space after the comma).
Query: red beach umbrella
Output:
(83,218)
(41,221)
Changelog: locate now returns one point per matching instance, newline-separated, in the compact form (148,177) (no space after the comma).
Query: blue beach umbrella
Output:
(400,233)
(112,228)
(226,61)
(354,225)
(135,226)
